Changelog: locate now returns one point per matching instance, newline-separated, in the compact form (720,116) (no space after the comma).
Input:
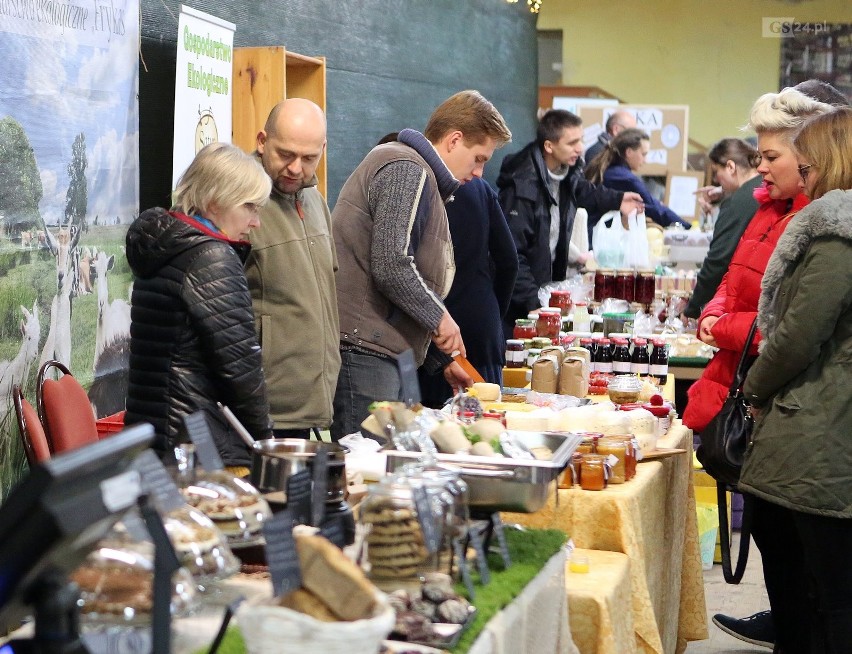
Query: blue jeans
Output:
(363,378)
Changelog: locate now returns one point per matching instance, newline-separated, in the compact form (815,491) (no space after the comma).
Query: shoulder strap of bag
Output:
(745,361)
(733,577)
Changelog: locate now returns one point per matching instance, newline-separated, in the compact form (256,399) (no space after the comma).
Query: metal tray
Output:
(503,484)
(446,634)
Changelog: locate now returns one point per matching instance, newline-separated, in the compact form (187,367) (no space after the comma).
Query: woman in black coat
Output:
(192,337)
(486,267)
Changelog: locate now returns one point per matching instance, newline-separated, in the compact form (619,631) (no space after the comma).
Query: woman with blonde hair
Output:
(192,336)
(799,462)
(727,318)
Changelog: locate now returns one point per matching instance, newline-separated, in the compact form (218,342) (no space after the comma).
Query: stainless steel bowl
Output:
(274,460)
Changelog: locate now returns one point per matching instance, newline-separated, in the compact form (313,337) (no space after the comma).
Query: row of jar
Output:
(601,460)
(619,355)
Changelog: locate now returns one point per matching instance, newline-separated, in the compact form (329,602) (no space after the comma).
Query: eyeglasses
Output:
(804,169)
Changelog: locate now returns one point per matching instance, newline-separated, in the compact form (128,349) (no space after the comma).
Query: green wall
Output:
(709,55)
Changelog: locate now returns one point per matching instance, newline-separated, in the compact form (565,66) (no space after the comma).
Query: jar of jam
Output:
(621,357)
(571,474)
(604,284)
(639,360)
(658,364)
(625,285)
(524,328)
(586,446)
(618,448)
(593,472)
(532,355)
(561,300)
(646,286)
(566,339)
(549,323)
(540,343)
(603,356)
(516,356)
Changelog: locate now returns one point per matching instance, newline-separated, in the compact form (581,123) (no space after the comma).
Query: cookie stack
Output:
(395,545)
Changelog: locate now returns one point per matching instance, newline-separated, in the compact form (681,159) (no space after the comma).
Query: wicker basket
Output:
(270,629)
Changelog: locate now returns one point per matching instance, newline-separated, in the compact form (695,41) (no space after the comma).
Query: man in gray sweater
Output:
(395,254)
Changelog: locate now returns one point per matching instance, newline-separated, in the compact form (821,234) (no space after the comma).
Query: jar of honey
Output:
(571,475)
(549,323)
(631,457)
(593,472)
(618,448)
(561,300)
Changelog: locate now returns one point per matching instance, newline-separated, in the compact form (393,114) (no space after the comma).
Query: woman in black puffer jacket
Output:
(192,337)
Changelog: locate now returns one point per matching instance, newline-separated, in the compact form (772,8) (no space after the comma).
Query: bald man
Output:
(618,121)
(291,273)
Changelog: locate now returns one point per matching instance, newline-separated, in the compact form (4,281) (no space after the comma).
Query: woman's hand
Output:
(704,330)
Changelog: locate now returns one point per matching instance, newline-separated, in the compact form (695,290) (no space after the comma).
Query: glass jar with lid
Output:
(549,323)
(395,544)
(236,508)
(593,472)
(516,354)
(524,328)
(625,285)
(617,448)
(561,300)
(116,582)
(646,286)
(604,285)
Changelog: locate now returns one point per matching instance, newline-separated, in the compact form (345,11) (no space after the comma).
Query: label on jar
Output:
(639,368)
(516,356)
(659,370)
(621,367)
(603,366)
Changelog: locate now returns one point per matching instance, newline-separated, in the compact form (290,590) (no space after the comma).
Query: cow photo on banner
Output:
(69,187)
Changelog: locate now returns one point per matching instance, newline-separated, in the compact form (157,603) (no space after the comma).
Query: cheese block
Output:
(538,420)
(334,579)
(487,392)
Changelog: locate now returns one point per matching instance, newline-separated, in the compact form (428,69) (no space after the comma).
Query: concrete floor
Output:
(742,600)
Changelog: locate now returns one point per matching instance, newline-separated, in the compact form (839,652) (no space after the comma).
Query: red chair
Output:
(32,431)
(64,409)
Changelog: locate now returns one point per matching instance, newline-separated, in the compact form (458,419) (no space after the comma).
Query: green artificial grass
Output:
(530,551)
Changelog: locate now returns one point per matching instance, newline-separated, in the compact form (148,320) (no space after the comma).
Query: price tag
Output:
(201,436)
(332,529)
(299,497)
(157,483)
(409,384)
(475,535)
(460,552)
(281,554)
(500,532)
(428,525)
(318,493)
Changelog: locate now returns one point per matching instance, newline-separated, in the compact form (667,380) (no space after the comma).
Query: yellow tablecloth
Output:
(596,604)
(652,520)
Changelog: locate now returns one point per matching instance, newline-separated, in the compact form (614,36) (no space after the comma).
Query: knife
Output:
(468,368)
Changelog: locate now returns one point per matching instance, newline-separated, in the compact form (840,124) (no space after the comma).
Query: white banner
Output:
(205,46)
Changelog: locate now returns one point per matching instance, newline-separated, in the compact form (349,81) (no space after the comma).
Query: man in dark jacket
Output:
(540,189)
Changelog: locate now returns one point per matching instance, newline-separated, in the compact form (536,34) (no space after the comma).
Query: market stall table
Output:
(596,602)
(652,520)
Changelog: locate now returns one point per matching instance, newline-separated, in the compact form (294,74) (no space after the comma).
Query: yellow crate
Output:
(705,491)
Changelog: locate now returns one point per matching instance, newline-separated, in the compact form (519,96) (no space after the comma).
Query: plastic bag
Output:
(637,252)
(708,526)
(608,241)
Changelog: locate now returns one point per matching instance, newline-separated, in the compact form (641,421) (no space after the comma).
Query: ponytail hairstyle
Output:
(627,139)
(743,154)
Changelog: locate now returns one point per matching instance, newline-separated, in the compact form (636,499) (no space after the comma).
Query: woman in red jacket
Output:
(727,318)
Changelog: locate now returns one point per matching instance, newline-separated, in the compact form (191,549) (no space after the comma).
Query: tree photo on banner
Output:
(69,187)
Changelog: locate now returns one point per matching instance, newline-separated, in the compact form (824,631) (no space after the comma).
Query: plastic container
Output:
(624,389)
(110,424)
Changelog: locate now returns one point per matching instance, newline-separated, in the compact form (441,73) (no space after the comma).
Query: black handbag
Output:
(722,450)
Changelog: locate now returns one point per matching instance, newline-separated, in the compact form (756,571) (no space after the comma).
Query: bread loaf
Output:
(306,602)
(334,579)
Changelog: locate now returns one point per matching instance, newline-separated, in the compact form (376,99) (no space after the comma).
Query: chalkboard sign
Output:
(299,496)
(157,482)
(409,384)
(500,532)
(431,535)
(281,554)
(460,552)
(205,447)
(475,533)
(332,529)
(320,483)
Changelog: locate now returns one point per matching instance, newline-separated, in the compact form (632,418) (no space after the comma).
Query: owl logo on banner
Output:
(205,131)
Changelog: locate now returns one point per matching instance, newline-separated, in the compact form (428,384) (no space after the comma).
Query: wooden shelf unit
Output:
(263,76)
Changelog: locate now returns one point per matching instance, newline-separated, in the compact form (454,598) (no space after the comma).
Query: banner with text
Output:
(205,48)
